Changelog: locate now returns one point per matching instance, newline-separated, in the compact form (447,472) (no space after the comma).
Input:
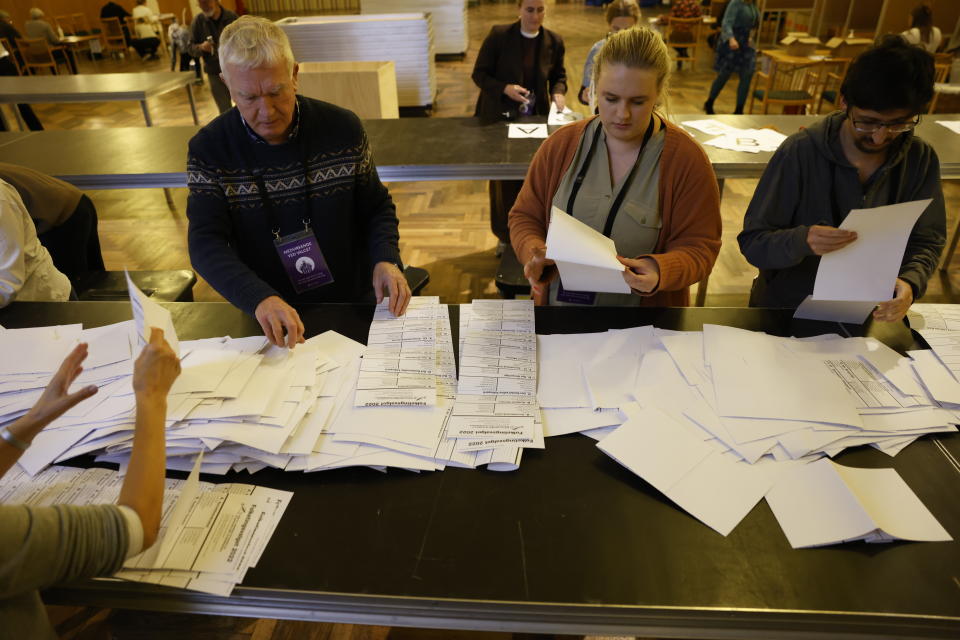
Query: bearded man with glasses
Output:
(863,156)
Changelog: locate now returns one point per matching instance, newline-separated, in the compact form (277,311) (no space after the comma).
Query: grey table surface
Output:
(407,149)
(91,87)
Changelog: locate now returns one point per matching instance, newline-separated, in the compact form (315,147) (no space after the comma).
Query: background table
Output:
(405,150)
(571,542)
(97,87)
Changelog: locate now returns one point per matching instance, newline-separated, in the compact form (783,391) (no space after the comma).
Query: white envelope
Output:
(587,259)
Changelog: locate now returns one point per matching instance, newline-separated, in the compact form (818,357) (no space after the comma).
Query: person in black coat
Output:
(519,69)
(520,65)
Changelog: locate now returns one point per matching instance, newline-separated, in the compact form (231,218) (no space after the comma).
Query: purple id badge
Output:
(301,257)
(575,297)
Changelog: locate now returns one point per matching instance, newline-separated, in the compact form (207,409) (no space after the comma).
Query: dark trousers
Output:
(146,46)
(185,59)
(75,245)
(743,89)
(221,95)
(503,193)
(29,117)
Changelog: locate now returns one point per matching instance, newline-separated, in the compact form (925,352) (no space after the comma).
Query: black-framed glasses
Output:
(866,126)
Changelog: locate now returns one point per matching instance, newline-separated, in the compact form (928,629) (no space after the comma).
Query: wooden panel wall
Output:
(20,9)
(864,15)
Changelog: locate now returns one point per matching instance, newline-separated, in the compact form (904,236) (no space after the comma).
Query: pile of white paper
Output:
(448,18)
(209,536)
(748,140)
(712,419)
(404,38)
(495,413)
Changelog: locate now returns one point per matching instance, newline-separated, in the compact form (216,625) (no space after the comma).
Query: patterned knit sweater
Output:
(323,174)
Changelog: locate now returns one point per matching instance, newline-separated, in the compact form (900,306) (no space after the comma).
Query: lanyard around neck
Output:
(582,174)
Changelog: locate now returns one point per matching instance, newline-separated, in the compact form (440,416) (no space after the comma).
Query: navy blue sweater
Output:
(324,173)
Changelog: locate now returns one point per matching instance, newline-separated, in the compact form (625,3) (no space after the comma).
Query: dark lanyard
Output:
(578,181)
(262,187)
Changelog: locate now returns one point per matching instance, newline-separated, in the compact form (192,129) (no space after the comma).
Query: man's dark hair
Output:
(892,74)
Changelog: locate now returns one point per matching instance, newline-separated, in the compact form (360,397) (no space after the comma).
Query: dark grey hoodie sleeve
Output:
(929,234)
(771,238)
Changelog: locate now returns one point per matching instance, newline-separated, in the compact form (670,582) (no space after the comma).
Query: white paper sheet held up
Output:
(587,259)
(147,313)
(867,268)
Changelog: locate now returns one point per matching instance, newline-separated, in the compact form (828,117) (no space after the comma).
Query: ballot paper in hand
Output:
(515,130)
(147,314)
(587,259)
(561,117)
(867,268)
(852,280)
(825,503)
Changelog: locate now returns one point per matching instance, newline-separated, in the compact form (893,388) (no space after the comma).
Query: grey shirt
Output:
(44,546)
(637,225)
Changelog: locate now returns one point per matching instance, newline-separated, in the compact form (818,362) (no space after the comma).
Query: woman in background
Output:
(621,14)
(922,32)
(735,52)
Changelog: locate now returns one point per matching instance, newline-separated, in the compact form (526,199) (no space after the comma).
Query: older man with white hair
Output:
(280,178)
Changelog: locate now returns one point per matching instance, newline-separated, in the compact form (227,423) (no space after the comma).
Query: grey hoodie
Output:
(809,181)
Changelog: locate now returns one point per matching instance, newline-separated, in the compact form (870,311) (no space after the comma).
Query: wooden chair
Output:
(13,54)
(833,72)
(786,84)
(65,23)
(37,54)
(684,33)
(81,26)
(112,35)
(940,73)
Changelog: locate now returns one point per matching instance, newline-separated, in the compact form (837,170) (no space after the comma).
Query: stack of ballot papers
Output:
(209,535)
(713,419)
(748,140)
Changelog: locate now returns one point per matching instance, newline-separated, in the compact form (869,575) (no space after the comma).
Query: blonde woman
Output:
(621,14)
(630,174)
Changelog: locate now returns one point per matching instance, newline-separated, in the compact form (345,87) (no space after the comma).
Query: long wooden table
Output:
(96,87)
(405,150)
(571,542)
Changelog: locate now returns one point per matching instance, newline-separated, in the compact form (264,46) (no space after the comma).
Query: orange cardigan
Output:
(689,209)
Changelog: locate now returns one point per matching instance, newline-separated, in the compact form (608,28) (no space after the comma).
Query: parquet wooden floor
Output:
(443,226)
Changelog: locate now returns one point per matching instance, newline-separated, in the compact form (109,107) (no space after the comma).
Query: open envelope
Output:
(586,258)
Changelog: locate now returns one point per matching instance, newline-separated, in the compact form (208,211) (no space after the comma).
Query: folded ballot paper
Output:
(209,534)
(826,503)
(587,259)
(851,281)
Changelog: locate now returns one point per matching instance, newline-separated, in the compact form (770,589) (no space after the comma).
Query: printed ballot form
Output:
(586,258)
(851,281)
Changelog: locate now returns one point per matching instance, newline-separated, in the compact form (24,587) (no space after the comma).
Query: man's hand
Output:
(56,399)
(206,46)
(156,368)
(734,45)
(276,317)
(516,93)
(642,275)
(540,271)
(823,239)
(560,100)
(894,310)
(389,281)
